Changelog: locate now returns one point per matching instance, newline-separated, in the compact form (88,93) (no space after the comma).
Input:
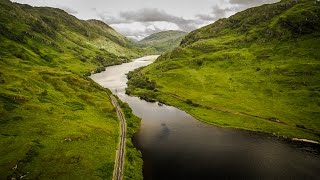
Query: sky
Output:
(137,19)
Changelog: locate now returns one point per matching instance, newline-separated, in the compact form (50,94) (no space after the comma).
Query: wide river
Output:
(174,145)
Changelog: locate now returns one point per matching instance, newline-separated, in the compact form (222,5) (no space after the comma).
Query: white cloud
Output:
(140,18)
(139,30)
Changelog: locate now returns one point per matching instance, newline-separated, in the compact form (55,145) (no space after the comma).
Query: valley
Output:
(239,97)
(241,74)
(174,145)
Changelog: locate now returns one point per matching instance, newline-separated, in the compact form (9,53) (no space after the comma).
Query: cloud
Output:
(68,10)
(231,7)
(219,12)
(139,30)
(205,17)
(250,3)
(240,5)
(216,13)
(143,22)
(156,15)
(146,21)
(149,15)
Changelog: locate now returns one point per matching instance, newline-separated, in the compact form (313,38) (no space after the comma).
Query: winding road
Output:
(118,167)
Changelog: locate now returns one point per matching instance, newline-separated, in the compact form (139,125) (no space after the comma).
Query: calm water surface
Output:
(176,146)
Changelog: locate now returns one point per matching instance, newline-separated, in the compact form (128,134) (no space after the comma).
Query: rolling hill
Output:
(163,41)
(256,70)
(55,123)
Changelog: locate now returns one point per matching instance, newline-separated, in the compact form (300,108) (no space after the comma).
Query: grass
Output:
(55,123)
(163,41)
(238,73)
(50,129)
(133,157)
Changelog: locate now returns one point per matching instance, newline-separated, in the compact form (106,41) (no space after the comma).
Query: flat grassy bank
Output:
(258,70)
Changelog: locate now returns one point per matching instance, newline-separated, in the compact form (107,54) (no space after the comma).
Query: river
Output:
(174,145)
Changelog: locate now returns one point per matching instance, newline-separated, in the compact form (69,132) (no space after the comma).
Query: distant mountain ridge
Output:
(56,123)
(163,41)
(56,27)
(257,70)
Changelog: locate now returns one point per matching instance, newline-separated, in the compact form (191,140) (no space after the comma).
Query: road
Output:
(118,167)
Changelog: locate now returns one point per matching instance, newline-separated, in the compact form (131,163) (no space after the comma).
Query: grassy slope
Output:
(54,122)
(257,70)
(133,157)
(163,41)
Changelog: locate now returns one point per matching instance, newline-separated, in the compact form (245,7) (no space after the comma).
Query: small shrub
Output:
(82,59)
(300,126)
(47,58)
(188,101)
(17,118)
(1,79)
(21,55)
(100,69)
(148,96)
(105,171)
(44,93)
(75,106)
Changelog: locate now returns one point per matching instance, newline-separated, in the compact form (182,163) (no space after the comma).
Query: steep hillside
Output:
(55,123)
(52,33)
(257,70)
(163,41)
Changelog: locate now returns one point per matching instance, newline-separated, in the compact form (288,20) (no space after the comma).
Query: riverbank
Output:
(169,139)
(133,158)
(149,88)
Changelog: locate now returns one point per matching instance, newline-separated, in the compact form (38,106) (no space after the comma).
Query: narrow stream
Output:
(174,145)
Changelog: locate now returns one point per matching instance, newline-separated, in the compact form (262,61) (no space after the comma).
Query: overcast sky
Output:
(140,18)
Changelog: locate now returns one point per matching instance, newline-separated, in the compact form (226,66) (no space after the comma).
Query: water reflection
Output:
(176,146)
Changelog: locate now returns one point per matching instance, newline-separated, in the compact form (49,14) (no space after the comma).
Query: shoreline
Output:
(305,140)
(291,139)
(284,131)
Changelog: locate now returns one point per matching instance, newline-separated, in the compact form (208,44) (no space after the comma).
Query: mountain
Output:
(163,41)
(55,123)
(257,70)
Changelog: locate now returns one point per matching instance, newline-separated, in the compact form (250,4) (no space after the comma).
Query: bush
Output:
(42,28)
(47,58)
(188,101)
(137,80)
(148,96)
(75,106)
(300,126)
(100,69)
(21,55)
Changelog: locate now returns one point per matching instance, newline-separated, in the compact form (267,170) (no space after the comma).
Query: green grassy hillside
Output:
(257,70)
(55,123)
(163,41)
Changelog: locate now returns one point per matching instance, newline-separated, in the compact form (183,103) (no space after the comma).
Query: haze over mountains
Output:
(163,41)
(139,19)
(258,70)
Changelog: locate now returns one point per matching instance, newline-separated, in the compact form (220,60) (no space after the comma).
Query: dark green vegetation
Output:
(55,123)
(133,160)
(163,41)
(257,70)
